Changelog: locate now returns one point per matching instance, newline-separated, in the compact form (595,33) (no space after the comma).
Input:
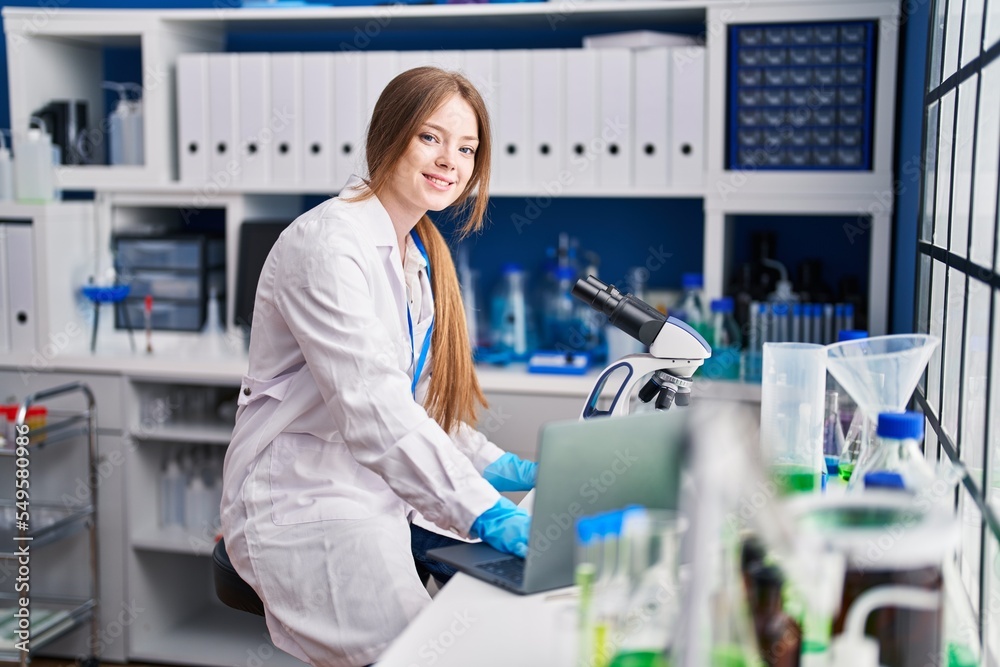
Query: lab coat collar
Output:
(378,223)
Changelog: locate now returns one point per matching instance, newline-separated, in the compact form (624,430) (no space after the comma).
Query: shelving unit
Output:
(48,522)
(167,572)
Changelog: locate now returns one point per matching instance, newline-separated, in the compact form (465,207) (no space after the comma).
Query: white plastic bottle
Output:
(33,174)
(6,170)
(125,127)
(196,505)
(172,495)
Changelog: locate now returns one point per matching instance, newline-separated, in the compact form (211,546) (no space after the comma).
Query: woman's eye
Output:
(428,137)
(468,150)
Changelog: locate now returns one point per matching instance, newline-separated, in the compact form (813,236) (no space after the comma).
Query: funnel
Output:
(880,373)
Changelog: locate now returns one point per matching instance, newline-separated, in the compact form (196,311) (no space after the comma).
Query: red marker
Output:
(148,316)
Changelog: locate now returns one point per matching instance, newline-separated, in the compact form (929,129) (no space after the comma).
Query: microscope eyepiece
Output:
(633,316)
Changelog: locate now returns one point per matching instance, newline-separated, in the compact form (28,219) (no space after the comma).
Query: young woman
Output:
(356,414)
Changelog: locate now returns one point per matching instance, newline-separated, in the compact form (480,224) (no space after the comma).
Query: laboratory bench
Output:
(150,406)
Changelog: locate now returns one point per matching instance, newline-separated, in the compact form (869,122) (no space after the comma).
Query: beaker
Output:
(793,388)
(644,635)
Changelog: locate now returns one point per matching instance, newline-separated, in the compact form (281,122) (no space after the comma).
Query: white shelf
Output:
(230,637)
(173,540)
(214,432)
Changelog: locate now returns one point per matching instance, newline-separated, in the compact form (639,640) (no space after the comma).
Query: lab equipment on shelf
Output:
(191,490)
(896,461)
(791,414)
(513,331)
(724,334)
(676,351)
(6,170)
(125,142)
(33,173)
(692,309)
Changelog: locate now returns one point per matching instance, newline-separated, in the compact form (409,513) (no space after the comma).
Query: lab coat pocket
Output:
(312,480)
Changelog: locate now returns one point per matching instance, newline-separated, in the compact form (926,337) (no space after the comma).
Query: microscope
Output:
(675,351)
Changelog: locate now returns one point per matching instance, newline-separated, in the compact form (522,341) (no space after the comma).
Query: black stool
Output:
(229,587)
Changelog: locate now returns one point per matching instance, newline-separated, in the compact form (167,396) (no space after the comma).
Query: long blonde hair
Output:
(406,103)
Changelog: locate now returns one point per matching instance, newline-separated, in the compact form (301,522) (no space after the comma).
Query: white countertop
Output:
(198,359)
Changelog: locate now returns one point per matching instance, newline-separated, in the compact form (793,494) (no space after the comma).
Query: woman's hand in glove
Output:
(510,473)
(505,527)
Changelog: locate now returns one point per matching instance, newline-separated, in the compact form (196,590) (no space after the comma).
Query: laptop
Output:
(584,467)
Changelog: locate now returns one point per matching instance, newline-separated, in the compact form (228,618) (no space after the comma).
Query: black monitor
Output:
(256,240)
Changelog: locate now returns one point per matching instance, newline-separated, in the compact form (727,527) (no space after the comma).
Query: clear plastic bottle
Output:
(172,488)
(725,360)
(896,459)
(513,331)
(693,304)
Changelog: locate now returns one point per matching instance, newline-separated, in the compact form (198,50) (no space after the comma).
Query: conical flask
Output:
(880,374)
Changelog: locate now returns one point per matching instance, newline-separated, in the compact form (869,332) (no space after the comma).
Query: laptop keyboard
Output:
(511,569)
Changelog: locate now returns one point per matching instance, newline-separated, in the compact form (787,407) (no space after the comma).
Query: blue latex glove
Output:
(509,473)
(504,526)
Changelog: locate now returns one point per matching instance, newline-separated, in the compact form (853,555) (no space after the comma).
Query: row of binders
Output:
(608,120)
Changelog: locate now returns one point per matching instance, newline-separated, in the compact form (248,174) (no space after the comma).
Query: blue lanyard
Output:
(425,348)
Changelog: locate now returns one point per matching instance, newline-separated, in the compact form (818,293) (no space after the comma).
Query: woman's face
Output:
(438,163)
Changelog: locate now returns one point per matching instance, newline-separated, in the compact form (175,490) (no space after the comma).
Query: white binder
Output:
(254,110)
(192,117)
(583,135)
(349,124)
(547,102)
(318,86)
(616,121)
(688,116)
(223,160)
(20,280)
(381,67)
(651,151)
(511,160)
(479,67)
(286,118)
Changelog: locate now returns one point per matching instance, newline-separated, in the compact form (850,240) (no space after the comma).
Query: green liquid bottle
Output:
(640,659)
(846,469)
(793,479)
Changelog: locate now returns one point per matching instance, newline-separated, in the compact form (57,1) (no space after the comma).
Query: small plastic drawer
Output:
(824,136)
(749,97)
(749,137)
(750,57)
(852,76)
(800,56)
(851,96)
(174,284)
(194,254)
(822,97)
(798,157)
(823,157)
(166,315)
(799,137)
(824,117)
(825,76)
(751,36)
(800,76)
(853,34)
(774,97)
(851,138)
(775,57)
(826,34)
(799,117)
(776,36)
(849,157)
(749,76)
(798,96)
(825,55)
(800,35)
(850,116)
(775,76)
(773,117)
(852,55)
(773,157)
(748,117)
(774,137)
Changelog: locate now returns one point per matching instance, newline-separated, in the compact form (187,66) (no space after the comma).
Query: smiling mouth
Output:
(441,183)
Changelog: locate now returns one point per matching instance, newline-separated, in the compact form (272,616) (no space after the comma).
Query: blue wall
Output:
(624,232)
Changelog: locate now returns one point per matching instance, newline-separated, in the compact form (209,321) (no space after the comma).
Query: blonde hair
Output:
(406,103)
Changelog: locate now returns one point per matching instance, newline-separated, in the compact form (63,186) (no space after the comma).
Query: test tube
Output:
(797,323)
(817,324)
(849,316)
(765,329)
(828,316)
(780,321)
(838,318)
(588,555)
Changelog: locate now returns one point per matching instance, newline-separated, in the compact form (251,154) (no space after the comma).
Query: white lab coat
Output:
(331,456)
